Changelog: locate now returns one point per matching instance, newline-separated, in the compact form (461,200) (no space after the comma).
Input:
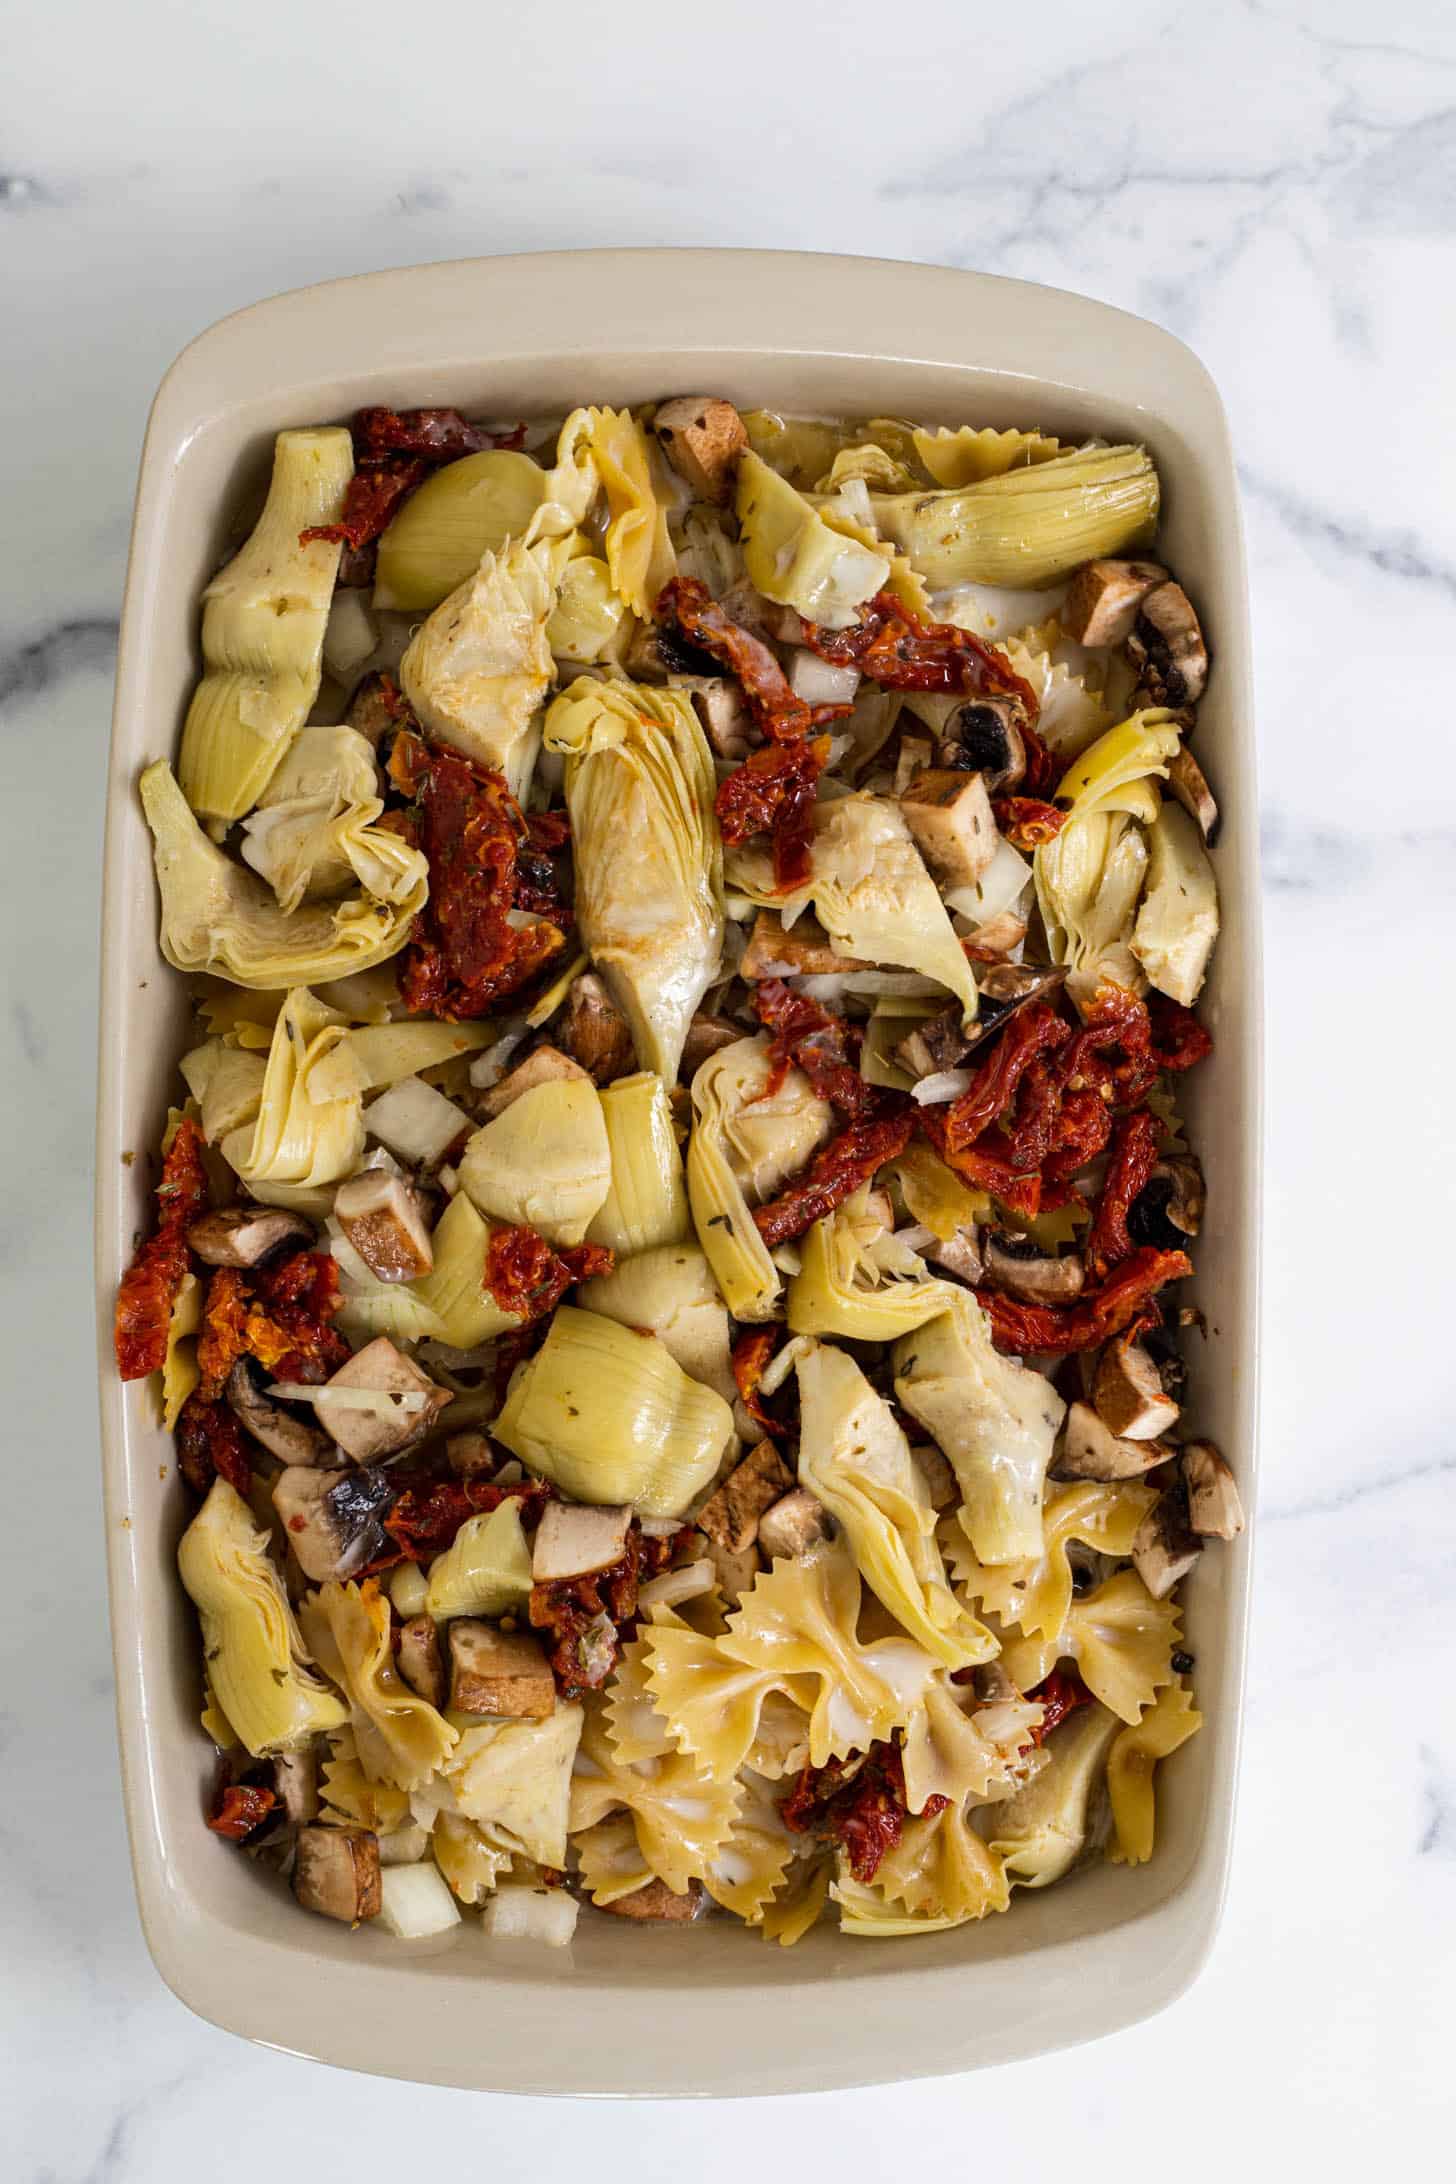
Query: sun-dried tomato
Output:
(988,1165)
(372,497)
(1034,1030)
(1043,769)
(751,1353)
(1083,1126)
(1096,1314)
(210,1446)
(781,714)
(299,1300)
(1058,1695)
(1027,821)
(774,792)
(825,1046)
(239,1810)
(527,1278)
(584,1617)
(430,1511)
(465,954)
(1130,1163)
(864,1809)
(149,1287)
(900,652)
(1178,1041)
(439,435)
(222,1338)
(836,1172)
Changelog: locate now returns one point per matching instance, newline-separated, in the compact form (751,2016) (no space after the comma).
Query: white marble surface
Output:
(1278,185)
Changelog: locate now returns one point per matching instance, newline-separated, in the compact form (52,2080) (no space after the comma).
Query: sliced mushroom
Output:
(295,1785)
(996,938)
(470,1455)
(1214,1508)
(937,1044)
(949,815)
(371,707)
(706,1035)
(960,1254)
(272,1424)
(544,1064)
(985,737)
(723,711)
(384,1221)
(332,1518)
(658,1902)
(1088,1450)
(659,653)
(1169,1207)
(793,1526)
(1128,1393)
(499,1672)
(702,437)
(421,1661)
(574,1540)
(1165,1546)
(1185,779)
(732,1516)
(1102,605)
(244,1235)
(801,950)
(1167,649)
(1015,1265)
(595,1032)
(1006,987)
(409,1402)
(762,618)
(336,1872)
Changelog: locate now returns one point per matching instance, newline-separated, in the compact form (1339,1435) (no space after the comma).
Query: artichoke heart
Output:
(640,559)
(589,621)
(1042,1830)
(794,557)
(995,1419)
(671,1291)
(227,1084)
(743,1146)
(299,1138)
(469,508)
(1178,922)
(257,1665)
(449,1304)
(544,1162)
(854,1457)
(649,862)
(263,622)
(876,899)
(609,1415)
(477,670)
(855,1280)
(647,1203)
(1029,526)
(486,1569)
(313,831)
(218,917)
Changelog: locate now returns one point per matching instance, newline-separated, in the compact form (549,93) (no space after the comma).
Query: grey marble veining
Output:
(1277,183)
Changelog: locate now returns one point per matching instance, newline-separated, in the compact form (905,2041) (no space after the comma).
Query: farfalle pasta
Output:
(664,1283)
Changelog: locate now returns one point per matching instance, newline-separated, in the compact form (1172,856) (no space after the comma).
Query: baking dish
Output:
(667,2012)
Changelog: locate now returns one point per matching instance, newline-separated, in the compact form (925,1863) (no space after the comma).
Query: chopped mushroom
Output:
(1128,1393)
(336,1872)
(574,1539)
(469,1455)
(996,938)
(1214,1508)
(244,1235)
(658,1902)
(801,950)
(1022,1270)
(595,1033)
(659,653)
(1102,605)
(332,1518)
(1088,1449)
(731,1517)
(1185,779)
(793,1526)
(372,705)
(1167,649)
(543,1065)
(723,711)
(706,1035)
(1170,1204)
(1165,1546)
(702,437)
(959,1254)
(410,1402)
(383,1220)
(499,1672)
(985,737)
(272,1424)
(936,1044)
(949,814)
(762,618)
(295,1785)
(421,1661)
(1006,987)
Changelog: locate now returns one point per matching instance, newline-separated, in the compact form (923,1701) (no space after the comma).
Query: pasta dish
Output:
(666,1258)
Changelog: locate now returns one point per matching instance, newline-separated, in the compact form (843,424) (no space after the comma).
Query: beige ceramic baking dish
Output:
(708,2010)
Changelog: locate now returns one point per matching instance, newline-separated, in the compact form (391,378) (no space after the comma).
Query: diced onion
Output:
(416,1121)
(529,1914)
(489,1066)
(820,682)
(404,1846)
(382,1402)
(945,1084)
(350,636)
(415,1902)
(673,1587)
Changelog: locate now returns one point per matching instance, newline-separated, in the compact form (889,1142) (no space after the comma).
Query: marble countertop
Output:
(1276,184)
